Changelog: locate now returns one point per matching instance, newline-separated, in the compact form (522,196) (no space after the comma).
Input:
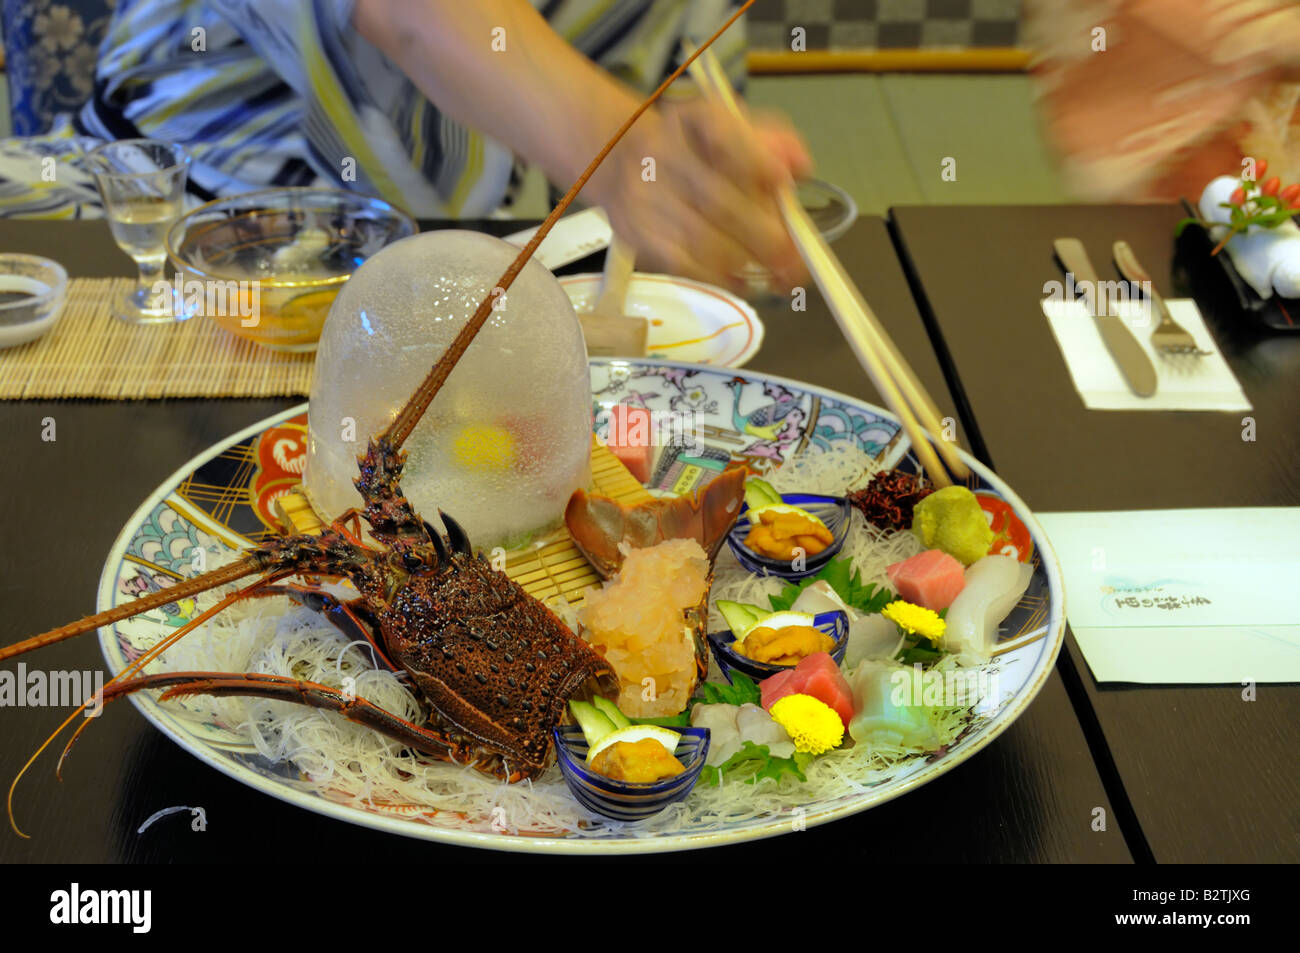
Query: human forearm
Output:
(538,95)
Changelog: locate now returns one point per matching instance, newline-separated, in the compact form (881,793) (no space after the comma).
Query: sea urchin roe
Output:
(638,762)
(779,531)
(787,645)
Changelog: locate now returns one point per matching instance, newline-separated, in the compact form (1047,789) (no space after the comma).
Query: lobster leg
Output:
(353,618)
(279,688)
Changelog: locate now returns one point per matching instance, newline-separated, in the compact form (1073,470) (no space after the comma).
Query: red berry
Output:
(1238,197)
(1271,186)
(1290,193)
(1261,167)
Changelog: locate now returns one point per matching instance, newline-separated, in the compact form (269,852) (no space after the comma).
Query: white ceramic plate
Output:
(689,320)
(224,496)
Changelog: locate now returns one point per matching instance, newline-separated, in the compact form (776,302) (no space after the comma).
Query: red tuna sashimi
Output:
(630,439)
(931,579)
(818,676)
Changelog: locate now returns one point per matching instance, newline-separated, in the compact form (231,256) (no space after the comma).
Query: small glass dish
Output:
(623,800)
(267,265)
(834,511)
(834,623)
(832,210)
(32,292)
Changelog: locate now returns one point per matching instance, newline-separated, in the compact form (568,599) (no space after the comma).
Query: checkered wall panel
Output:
(884,24)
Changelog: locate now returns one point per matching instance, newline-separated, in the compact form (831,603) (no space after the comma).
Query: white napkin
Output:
(574,236)
(1183,382)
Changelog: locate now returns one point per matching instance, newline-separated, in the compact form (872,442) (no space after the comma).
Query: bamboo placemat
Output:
(90,353)
(552,566)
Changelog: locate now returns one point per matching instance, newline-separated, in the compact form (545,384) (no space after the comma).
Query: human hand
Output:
(693,189)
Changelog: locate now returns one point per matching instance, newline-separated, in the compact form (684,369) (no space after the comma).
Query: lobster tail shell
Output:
(599,524)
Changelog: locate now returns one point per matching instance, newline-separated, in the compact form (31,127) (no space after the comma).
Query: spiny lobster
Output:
(495,666)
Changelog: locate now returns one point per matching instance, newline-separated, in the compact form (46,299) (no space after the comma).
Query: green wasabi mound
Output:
(951,520)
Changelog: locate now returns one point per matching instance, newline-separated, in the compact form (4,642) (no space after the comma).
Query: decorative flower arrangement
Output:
(1265,205)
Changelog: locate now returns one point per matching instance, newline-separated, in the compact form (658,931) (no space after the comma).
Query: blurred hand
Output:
(706,206)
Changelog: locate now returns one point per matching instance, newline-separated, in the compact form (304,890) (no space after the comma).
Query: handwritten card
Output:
(1183,596)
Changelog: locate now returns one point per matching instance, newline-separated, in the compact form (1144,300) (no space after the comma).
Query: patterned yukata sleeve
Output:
(345,85)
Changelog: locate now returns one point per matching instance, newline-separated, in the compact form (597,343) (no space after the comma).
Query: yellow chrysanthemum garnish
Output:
(813,725)
(915,620)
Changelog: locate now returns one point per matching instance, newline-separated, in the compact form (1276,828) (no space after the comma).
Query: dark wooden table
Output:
(1030,796)
(1209,777)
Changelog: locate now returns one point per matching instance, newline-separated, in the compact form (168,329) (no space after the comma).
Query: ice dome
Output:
(507,439)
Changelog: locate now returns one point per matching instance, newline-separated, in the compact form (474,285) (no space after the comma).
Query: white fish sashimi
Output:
(819,597)
(871,636)
(994,585)
(724,737)
(758,726)
(730,726)
(880,716)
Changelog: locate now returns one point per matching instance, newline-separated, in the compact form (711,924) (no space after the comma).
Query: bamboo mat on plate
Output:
(90,353)
(553,566)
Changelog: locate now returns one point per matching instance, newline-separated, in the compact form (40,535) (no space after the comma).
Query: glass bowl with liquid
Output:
(32,290)
(267,265)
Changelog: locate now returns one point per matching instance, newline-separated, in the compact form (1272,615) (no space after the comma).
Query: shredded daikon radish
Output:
(832,472)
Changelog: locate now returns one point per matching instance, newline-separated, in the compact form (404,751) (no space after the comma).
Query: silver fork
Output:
(1169,337)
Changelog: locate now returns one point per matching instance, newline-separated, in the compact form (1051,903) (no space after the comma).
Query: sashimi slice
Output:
(817,675)
(994,585)
(776,686)
(724,736)
(932,579)
(630,439)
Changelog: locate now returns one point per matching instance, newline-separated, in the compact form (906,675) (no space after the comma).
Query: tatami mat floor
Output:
(884,137)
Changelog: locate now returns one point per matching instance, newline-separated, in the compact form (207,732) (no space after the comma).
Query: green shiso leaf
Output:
(839,573)
(751,764)
(921,651)
(682,720)
(742,690)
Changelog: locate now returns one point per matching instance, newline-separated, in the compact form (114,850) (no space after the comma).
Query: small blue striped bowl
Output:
(622,800)
(834,511)
(834,623)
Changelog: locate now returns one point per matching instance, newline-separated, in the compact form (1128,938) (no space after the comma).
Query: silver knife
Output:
(1134,363)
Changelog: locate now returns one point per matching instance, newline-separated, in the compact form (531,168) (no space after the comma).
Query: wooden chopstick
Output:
(867,338)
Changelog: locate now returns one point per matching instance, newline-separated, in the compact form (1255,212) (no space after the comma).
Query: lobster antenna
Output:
(410,415)
(186,587)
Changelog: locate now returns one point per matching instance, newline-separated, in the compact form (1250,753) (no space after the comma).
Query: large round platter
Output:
(225,496)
